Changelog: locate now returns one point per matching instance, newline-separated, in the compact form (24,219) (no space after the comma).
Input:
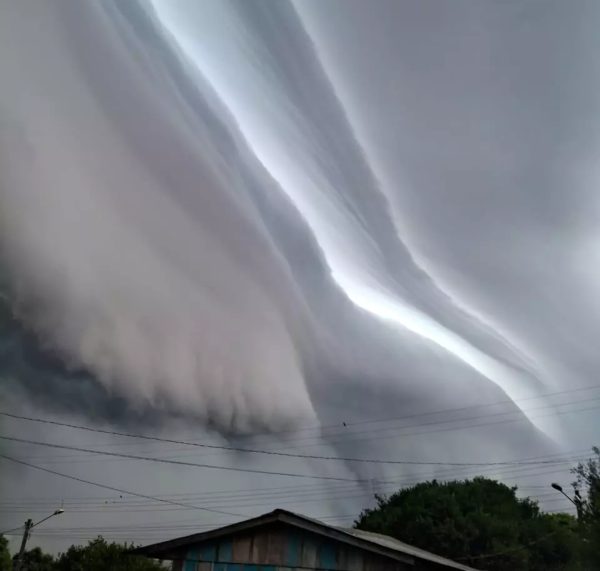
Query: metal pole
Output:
(19,561)
(576,503)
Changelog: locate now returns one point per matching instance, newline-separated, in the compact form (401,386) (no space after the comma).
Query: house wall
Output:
(281,548)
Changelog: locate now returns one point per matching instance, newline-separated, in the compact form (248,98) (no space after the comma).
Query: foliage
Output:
(99,555)
(587,497)
(5,560)
(480,522)
(36,560)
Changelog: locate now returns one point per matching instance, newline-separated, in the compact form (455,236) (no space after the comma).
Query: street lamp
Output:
(575,502)
(29,525)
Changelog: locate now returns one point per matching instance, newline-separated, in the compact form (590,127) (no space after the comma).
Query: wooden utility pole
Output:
(19,561)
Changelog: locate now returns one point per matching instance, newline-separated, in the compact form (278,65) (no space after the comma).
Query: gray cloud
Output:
(225,218)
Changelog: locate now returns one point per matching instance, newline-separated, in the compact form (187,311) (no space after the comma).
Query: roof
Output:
(373,542)
(398,545)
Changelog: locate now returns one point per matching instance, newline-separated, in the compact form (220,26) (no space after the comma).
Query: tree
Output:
(99,555)
(555,543)
(480,522)
(5,560)
(587,496)
(36,560)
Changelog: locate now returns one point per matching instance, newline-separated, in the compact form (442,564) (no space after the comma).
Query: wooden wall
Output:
(282,548)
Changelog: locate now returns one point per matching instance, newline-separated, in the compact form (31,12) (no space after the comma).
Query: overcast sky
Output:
(343,229)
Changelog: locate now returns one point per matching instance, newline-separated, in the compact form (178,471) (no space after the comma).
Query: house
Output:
(282,540)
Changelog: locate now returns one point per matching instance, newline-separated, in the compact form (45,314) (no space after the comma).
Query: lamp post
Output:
(29,525)
(575,502)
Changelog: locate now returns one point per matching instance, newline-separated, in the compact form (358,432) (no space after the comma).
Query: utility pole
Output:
(29,525)
(19,561)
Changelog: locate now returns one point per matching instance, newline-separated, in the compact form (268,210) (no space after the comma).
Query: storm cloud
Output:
(253,216)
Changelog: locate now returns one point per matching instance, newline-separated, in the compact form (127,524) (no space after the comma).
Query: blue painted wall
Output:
(293,554)
(327,556)
(192,556)
(291,549)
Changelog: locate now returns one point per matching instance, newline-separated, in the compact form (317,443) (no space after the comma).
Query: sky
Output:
(366,233)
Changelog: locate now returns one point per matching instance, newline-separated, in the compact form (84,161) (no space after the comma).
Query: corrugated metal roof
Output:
(396,544)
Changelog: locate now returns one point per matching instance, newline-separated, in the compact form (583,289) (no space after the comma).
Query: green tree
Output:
(36,560)
(99,555)
(553,541)
(587,496)
(480,522)
(5,560)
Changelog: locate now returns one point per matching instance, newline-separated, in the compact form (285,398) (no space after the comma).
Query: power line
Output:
(445,429)
(344,434)
(397,431)
(231,493)
(285,491)
(178,462)
(161,527)
(303,498)
(11,530)
(452,428)
(112,488)
(245,450)
(148,533)
(314,457)
(212,446)
(459,409)
(344,424)
(306,495)
(338,426)
(199,445)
